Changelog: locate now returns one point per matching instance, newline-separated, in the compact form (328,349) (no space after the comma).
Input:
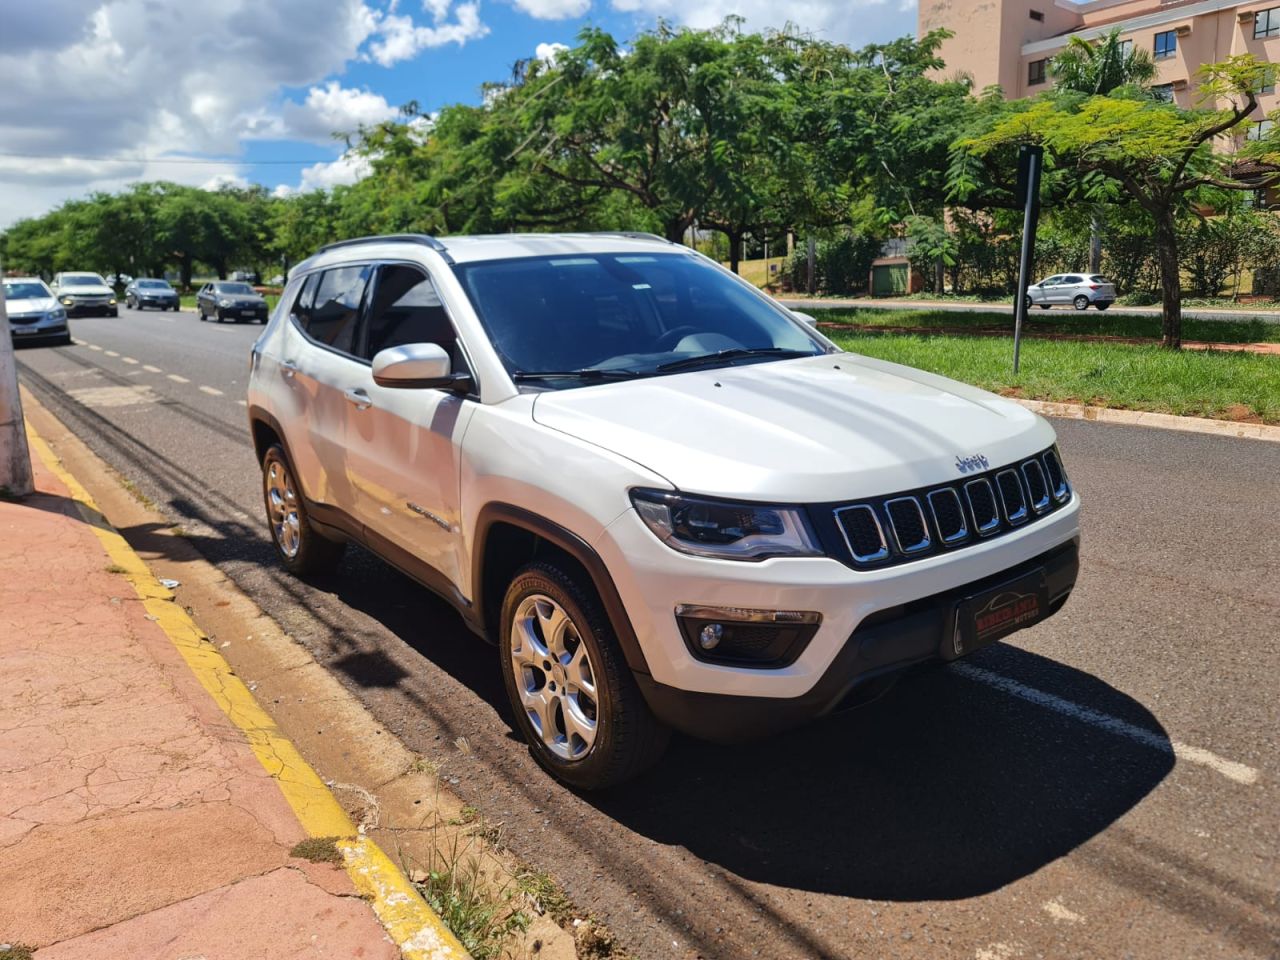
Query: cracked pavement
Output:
(135,819)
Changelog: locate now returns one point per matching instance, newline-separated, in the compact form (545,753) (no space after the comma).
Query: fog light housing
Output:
(740,636)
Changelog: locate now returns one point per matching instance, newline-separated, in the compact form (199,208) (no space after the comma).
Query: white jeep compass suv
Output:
(668,500)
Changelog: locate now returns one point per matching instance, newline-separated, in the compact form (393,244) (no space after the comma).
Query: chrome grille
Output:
(919,523)
(1037,488)
(906,520)
(862,533)
(982,504)
(1011,496)
(948,515)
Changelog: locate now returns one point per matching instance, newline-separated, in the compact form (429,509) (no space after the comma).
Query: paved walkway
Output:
(135,820)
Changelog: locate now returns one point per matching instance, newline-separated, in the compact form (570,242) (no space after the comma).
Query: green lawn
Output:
(1221,385)
(1059,321)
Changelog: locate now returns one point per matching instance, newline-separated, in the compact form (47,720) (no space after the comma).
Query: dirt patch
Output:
(1240,413)
(318,850)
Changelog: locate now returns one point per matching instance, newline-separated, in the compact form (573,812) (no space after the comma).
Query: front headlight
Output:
(65,301)
(111,302)
(725,529)
(58,314)
(224,303)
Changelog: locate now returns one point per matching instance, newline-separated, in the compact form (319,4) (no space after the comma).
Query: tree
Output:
(1154,152)
(1099,68)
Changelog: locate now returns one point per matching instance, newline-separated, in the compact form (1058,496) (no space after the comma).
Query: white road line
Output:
(112,353)
(1228,768)
(211,391)
(79,343)
(150,369)
(129,360)
(177,379)
(242,403)
(94,346)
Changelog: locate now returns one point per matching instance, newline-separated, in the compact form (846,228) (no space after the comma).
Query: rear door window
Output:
(336,310)
(1073,279)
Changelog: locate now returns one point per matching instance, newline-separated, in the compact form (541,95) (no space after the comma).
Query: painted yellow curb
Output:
(407,918)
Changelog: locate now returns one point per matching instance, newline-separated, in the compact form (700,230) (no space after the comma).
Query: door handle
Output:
(289,369)
(358,398)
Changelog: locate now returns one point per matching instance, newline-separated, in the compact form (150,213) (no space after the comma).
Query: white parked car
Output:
(34,314)
(666,499)
(1081,290)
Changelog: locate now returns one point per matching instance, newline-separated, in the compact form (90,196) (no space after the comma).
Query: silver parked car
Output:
(1078,289)
(34,314)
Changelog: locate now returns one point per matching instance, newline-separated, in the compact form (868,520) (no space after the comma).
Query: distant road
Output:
(866,303)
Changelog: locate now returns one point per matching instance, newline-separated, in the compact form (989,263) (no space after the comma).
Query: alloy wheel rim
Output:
(282,507)
(555,677)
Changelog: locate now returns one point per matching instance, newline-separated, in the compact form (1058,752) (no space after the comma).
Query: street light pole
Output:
(15,460)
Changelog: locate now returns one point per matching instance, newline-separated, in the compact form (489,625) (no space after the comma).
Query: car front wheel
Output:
(1028,304)
(300,548)
(574,697)
(1081,302)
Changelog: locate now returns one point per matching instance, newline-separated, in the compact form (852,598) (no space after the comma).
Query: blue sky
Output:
(100,93)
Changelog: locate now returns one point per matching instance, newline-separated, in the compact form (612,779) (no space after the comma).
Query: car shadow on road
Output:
(943,789)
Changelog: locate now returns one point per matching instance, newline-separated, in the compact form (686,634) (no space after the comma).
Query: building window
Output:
(1037,16)
(1166,44)
(1126,49)
(1036,72)
(1163,92)
(1259,129)
(1268,88)
(1256,199)
(1266,23)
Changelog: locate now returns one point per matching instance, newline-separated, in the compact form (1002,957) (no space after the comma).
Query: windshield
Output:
(240,288)
(25,290)
(624,314)
(82,280)
(155,284)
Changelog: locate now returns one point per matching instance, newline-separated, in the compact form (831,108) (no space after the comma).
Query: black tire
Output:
(1102,306)
(1081,302)
(628,737)
(315,554)
(1043,306)
(1028,304)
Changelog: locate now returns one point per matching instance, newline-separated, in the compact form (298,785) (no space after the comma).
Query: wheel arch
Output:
(507,537)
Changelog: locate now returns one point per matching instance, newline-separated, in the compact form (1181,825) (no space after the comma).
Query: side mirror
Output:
(417,366)
(805,318)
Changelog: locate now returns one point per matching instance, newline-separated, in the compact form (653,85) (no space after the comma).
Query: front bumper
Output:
(652,580)
(90,308)
(884,643)
(40,330)
(164,303)
(241,313)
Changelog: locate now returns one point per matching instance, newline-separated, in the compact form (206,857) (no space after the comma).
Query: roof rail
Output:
(422,238)
(631,234)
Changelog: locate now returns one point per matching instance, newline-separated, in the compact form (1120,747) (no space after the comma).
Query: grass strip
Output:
(1091,322)
(1220,385)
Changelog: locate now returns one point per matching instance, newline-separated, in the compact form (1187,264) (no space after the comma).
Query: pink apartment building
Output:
(1010,42)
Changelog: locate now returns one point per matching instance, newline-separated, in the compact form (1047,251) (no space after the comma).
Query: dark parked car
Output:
(227,300)
(151,293)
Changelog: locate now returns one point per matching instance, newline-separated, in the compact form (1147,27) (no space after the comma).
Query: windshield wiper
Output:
(522,376)
(688,363)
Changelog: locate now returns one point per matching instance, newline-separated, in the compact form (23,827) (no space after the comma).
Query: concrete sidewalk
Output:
(136,818)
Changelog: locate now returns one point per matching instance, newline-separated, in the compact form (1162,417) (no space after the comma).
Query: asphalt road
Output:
(1105,785)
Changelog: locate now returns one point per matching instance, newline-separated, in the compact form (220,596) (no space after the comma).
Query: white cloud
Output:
(347,169)
(399,38)
(547,52)
(220,180)
(334,109)
(125,82)
(855,22)
(554,9)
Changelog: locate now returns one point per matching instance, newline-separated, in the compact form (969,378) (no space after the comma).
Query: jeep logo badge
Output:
(969,464)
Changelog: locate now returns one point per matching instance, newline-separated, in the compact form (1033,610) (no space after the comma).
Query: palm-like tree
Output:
(1098,68)
(1102,66)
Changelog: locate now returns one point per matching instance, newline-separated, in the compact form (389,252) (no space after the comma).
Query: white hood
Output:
(836,427)
(18,308)
(86,290)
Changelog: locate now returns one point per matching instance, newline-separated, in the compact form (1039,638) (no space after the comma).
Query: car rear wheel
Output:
(300,548)
(1081,302)
(575,700)
(1102,306)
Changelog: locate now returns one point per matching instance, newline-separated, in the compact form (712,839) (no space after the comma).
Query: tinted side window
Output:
(337,307)
(301,311)
(1073,279)
(406,309)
